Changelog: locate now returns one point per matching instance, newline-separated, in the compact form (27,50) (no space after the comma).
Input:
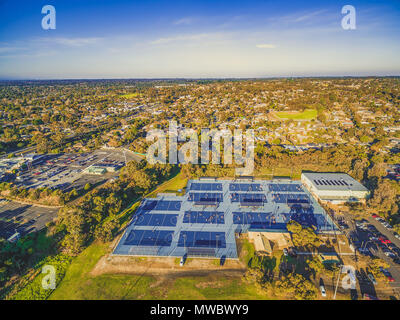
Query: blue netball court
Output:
(204,221)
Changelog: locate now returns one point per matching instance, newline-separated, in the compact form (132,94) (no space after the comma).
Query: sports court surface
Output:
(204,221)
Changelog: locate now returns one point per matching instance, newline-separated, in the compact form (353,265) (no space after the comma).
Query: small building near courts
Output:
(95,170)
(335,188)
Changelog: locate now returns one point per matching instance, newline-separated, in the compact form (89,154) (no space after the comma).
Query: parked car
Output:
(369,297)
(364,251)
(285,252)
(375,216)
(396,251)
(293,252)
(397,236)
(389,254)
(182,262)
(373,238)
(343,226)
(387,274)
(387,225)
(384,239)
(372,278)
(323,291)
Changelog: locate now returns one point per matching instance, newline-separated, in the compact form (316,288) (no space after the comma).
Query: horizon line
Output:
(202,78)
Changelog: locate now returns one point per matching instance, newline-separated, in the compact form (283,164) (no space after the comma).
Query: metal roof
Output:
(333,181)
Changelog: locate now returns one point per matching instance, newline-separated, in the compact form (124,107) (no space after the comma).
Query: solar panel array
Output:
(326,182)
(290,198)
(204,221)
(204,217)
(245,187)
(275,187)
(149,238)
(202,239)
(256,220)
(248,197)
(206,186)
(162,205)
(165,220)
(206,197)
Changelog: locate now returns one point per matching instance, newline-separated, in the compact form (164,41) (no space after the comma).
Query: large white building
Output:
(334,187)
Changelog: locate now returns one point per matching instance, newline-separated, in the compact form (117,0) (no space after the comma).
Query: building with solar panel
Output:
(205,221)
(335,188)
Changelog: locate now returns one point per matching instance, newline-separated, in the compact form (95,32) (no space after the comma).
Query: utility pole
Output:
(337,283)
(123,150)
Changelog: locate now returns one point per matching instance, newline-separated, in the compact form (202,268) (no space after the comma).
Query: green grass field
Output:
(266,173)
(78,283)
(172,185)
(308,114)
(199,288)
(129,95)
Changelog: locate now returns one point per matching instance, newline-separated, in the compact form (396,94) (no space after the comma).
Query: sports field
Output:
(308,114)
(129,95)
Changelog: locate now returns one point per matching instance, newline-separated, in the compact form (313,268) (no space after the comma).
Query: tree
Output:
(303,237)
(296,286)
(378,170)
(315,265)
(358,170)
(87,186)
(375,266)
(384,197)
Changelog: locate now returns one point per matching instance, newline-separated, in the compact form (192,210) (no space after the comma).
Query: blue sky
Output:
(159,39)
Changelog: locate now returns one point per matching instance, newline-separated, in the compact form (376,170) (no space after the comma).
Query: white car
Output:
(322,289)
(397,236)
(389,254)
